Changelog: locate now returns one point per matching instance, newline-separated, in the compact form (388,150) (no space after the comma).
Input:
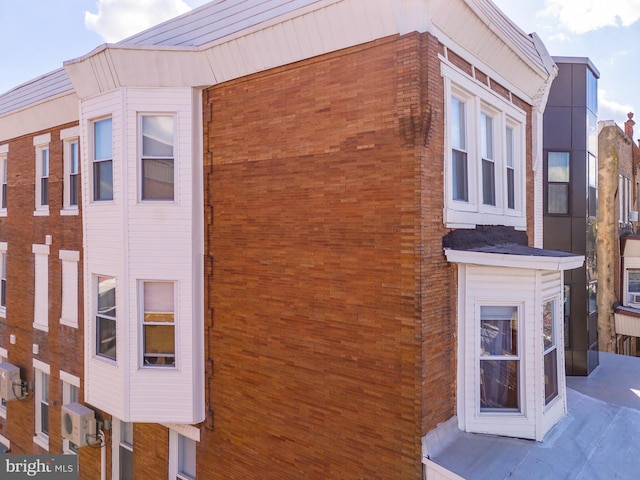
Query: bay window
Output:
(485,161)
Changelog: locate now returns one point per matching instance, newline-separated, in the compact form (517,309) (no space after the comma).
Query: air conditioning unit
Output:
(10,382)
(633,215)
(635,298)
(78,423)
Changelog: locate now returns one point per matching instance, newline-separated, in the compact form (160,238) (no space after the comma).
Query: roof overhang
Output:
(538,261)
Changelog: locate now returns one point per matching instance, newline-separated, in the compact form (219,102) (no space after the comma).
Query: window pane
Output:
(157,136)
(106,339)
(499,384)
(126,464)
(107,296)
(511,189)
(103,180)
(488,183)
(186,456)
(499,331)
(458,124)
(548,327)
(459,167)
(159,339)
(486,135)
(558,167)
(44,191)
(551,375)
(44,417)
(73,163)
(558,198)
(634,280)
(509,134)
(126,433)
(103,140)
(157,179)
(73,190)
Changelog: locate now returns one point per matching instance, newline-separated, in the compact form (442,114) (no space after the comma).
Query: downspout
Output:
(103,456)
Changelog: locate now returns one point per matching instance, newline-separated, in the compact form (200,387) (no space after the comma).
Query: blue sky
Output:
(38,35)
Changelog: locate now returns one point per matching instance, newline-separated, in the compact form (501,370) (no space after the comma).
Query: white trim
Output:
(185,430)
(69,272)
(70,133)
(40,438)
(538,262)
(41,287)
(40,208)
(69,378)
(4,148)
(41,140)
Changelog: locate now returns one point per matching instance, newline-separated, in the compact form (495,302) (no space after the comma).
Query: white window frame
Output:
(70,137)
(96,337)
(143,157)
(41,287)
(3,279)
(4,355)
(41,145)
(69,270)
(519,357)
(42,373)
(70,393)
(478,99)
(96,161)
(116,445)
(556,327)
(4,158)
(144,324)
(188,433)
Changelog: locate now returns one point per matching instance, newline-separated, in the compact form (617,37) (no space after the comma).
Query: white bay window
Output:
(486,158)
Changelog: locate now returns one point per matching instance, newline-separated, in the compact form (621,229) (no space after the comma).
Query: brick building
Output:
(256,264)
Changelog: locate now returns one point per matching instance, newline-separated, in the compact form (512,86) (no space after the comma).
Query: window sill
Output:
(69,323)
(3,212)
(70,211)
(41,440)
(41,213)
(41,326)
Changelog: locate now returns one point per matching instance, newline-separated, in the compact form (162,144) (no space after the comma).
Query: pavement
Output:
(598,439)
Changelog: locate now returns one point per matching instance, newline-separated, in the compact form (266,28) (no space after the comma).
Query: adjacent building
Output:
(282,240)
(571,200)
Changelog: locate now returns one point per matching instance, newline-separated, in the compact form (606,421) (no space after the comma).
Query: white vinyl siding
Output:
(41,287)
(69,315)
(152,394)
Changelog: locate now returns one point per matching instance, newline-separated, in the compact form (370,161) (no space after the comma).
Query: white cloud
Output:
(581,16)
(118,19)
(610,109)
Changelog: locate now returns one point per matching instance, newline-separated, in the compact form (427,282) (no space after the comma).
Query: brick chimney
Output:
(628,125)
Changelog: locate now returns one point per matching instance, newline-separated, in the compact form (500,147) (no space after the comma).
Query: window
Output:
(3,279)
(158,323)
(558,183)
(41,144)
(4,149)
(3,402)
(550,351)
(633,286)
(41,287)
(182,456)
(624,199)
(69,313)
(157,157)
(70,385)
(499,359)
(41,404)
(102,160)
(69,136)
(459,150)
(106,317)
(485,163)
(125,450)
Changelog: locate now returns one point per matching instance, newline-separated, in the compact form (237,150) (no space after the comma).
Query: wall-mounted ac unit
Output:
(10,383)
(633,215)
(78,422)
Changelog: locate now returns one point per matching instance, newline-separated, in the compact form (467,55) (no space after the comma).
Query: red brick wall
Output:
(316,282)
(61,347)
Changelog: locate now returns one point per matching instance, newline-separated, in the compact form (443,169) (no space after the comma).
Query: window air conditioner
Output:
(635,298)
(10,381)
(633,216)
(78,423)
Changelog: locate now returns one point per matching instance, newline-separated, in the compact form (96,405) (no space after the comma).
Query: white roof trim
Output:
(531,262)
